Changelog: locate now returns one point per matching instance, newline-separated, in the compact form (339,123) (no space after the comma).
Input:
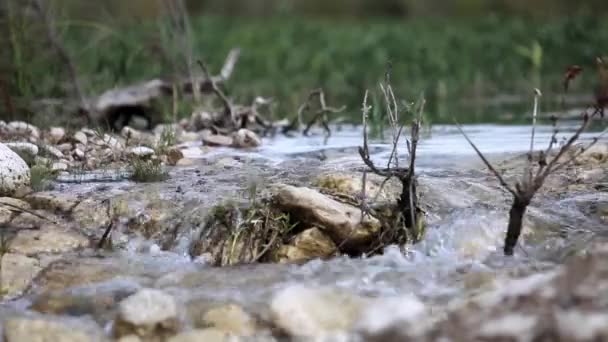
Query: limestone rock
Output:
(351,185)
(245,138)
(65,148)
(14,202)
(140,151)
(200,120)
(150,314)
(39,330)
(14,172)
(91,214)
(231,319)
(52,151)
(6,215)
(199,335)
(60,166)
(342,222)
(52,201)
(23,129)
(174,155)
(16,274)
(56,134)
(49,239)
(217,140)
(25,150)
(310,244)
(81,137)
(565,304)
(308,312)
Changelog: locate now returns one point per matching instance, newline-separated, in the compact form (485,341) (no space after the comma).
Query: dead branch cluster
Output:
(407,225)
(320,115)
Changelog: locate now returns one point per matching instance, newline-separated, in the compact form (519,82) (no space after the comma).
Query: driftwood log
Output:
(117,106)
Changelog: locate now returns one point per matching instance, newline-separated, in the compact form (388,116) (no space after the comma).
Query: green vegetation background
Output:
(457,54)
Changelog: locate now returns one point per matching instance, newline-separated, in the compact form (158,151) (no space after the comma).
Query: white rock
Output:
(56,134)
(130,133)
(141,151)
(245,138)
(24,148)
(24,129)
(52,151)
(81,137)
(14,172)
(304,311)
(111,142)
(203,335)
(148,307)
(79,154)
(66,147)
(60,166)
(392,312)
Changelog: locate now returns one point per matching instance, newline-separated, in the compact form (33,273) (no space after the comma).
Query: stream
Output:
(460,255)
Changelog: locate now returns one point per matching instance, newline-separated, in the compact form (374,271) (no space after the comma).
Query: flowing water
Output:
(460,253)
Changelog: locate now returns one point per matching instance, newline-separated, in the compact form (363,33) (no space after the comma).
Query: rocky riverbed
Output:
(212,252)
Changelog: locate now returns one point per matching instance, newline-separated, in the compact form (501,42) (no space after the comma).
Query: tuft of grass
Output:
(147,171)
(168,138)
(42,177)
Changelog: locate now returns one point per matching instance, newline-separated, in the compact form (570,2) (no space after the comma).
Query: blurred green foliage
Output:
(454,61)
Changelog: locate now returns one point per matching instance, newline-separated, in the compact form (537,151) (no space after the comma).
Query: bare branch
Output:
(486,162)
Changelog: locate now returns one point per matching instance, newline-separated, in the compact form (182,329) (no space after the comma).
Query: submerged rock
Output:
(16,274)
(307,312)
(341,221)
(14,172)
(150,314)
(40,330)
(231,319)
(566,304)
(206,335)
(48,239)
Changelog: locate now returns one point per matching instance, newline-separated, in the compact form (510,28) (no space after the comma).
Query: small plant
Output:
(167,139)
(42,177)
(540,164)
(147,171)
